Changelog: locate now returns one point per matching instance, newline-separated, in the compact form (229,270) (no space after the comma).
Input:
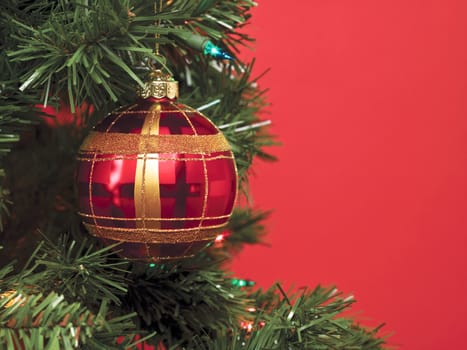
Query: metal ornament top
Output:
(160,85)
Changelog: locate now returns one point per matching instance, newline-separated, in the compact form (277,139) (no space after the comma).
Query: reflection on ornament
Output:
(156,176)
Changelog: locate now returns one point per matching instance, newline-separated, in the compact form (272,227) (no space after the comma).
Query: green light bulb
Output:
(215,51)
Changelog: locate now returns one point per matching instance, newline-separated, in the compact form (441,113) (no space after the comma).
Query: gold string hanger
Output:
(159,84)
(157,9)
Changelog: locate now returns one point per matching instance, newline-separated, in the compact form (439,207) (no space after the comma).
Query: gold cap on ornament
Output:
(160,85)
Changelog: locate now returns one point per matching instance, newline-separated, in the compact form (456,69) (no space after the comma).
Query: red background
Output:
(369,100)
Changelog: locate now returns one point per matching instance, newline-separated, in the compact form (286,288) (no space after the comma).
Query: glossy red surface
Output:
(182,189)
(199,189)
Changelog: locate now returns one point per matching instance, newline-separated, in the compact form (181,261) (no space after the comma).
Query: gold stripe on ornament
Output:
(147,189)
(150,236)
(206,192)
(90,182)
(173,111)
(202,156)
(151,156)
(155,219)
(187,118)
(166,258)
(157,230)
(120,143)
(236,180)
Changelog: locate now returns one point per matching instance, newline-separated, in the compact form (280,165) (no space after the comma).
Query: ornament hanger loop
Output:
(159,84)
(160,61)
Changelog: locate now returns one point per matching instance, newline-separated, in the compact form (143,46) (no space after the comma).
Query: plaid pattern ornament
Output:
(157,176)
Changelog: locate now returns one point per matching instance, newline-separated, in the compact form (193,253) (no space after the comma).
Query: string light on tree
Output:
(215,51)
(242,283)
(249,325)
(204,45)
(219,241)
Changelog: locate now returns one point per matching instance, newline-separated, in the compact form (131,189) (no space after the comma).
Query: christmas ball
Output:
(156,176)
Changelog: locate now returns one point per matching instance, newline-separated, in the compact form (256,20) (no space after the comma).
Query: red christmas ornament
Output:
(157,176)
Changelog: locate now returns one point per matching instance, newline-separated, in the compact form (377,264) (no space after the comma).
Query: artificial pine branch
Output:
(303,320)
(34,316)
(184,301)
(72,305)
(92,48)
(245,227)
(80,272)
(309,320)
(38,321)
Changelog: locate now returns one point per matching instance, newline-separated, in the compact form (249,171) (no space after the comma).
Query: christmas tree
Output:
(89,264)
